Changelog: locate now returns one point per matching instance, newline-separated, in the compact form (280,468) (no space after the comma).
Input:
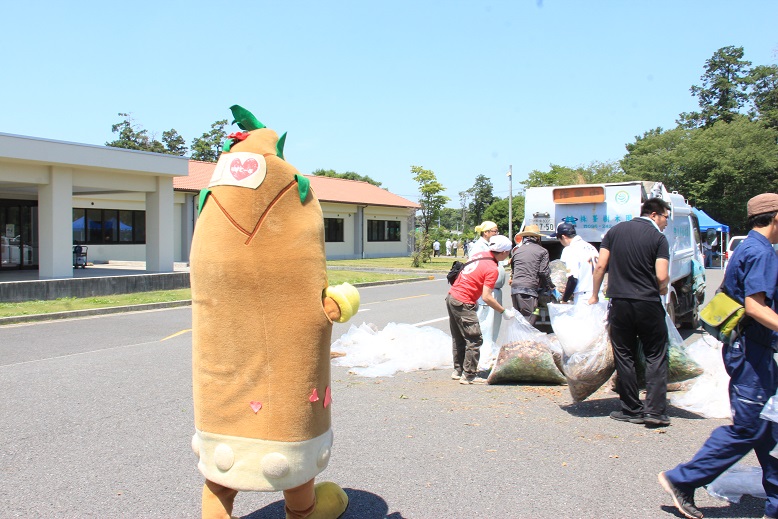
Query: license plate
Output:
(544,224)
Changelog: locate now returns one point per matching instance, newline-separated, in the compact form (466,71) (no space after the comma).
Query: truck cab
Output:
(595,208)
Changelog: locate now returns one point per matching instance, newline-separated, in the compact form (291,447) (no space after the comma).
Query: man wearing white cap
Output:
(750,279)
(475,281)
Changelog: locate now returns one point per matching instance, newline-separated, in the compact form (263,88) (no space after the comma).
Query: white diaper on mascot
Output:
(260,340)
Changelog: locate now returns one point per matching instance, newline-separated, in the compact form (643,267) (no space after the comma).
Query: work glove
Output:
(508,313)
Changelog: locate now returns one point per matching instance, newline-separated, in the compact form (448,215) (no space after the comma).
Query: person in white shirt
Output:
(580,257)
(488,319)
(448,247)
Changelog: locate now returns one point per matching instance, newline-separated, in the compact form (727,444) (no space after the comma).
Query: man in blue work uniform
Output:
(751,277)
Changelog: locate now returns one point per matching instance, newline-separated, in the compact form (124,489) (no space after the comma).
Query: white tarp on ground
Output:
(709,396)
(398,347)
(403,347)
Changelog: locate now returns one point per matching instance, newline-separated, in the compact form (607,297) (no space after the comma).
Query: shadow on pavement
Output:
(361,505)
(748,507)
(603,407)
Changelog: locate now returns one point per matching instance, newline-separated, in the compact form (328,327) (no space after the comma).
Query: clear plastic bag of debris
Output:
(587,356)
(709,394)
(558,272)
(526,356)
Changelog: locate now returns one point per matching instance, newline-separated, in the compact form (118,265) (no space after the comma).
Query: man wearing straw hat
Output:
(529,273)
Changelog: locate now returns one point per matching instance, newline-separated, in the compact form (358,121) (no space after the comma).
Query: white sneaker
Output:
(456,375)
(465,380)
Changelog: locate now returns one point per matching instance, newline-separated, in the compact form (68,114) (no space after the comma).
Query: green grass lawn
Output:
(88,303)
(439,263)
(69,304)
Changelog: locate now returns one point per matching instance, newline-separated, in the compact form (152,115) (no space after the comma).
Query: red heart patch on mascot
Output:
(241,170)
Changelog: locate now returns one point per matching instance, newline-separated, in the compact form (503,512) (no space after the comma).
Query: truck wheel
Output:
(694,320)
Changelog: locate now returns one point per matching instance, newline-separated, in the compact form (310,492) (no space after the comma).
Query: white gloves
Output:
(508,313)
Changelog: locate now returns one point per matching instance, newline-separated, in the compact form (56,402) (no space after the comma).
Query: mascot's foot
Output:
(331,501)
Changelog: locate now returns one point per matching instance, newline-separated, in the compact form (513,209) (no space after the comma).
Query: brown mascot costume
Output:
(261,331)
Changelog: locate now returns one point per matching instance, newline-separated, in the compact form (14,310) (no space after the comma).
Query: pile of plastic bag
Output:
(709,396)
(587,355)
(526,356)
(558,271)
(736,482)
(398,347)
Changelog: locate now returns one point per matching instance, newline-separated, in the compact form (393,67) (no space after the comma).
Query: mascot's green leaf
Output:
(245,119)
(280,146)
(203,197)
(303,185)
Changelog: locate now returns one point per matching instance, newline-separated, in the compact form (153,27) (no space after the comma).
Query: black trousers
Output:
(630,320)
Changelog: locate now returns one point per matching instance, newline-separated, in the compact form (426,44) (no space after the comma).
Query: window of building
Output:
(102,226)
(383,230)
(333,229)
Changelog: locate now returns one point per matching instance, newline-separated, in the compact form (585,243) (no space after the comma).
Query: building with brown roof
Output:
(133,205)
(361,220)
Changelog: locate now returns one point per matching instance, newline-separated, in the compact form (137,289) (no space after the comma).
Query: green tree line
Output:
(718,156)
(206,148)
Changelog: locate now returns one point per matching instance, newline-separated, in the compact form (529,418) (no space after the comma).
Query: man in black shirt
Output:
(636,256)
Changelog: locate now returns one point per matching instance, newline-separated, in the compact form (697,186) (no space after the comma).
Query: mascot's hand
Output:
(346,302)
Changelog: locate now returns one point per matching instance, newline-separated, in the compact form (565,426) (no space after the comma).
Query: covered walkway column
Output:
(188,218)
(359,232)
(159,226)
(55,225)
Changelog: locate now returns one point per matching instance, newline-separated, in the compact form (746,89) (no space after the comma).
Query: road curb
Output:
(392,281)
(55,316)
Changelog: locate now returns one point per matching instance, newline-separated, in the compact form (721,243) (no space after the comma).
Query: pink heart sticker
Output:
(241,170)
(327,397)
(256,406)
(314,396)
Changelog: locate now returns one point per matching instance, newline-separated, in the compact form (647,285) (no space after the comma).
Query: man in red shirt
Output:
(475,281)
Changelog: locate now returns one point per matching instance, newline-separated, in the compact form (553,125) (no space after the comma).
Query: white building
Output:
(133,205)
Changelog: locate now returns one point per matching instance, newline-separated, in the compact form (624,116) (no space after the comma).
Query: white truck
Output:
(595,208)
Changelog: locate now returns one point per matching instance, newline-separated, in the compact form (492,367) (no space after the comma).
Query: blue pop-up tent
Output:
(706,222)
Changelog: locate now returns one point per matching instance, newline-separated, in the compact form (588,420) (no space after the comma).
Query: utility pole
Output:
(510,202)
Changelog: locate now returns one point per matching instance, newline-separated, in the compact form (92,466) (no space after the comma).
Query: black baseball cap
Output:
(564,229)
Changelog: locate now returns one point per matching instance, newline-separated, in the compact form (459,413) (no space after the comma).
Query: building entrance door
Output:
(18,234)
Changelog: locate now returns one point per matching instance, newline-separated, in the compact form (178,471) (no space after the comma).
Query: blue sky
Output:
(459,87)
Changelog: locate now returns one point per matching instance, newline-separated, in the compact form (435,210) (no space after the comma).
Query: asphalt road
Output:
(96,421)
